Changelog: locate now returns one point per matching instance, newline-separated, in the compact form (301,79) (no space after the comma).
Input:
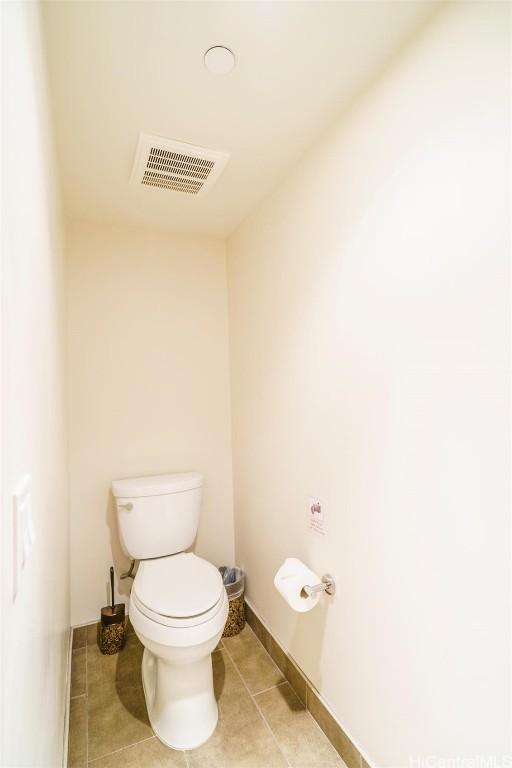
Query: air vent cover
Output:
(169,164)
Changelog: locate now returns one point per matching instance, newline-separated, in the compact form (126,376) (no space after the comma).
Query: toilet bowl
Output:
(178,604)
(179,636)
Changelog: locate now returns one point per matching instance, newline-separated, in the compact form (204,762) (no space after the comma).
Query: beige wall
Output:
(148,387)
(35,627)
(369,310)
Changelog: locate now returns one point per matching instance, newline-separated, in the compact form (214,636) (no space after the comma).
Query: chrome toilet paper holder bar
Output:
(327,585)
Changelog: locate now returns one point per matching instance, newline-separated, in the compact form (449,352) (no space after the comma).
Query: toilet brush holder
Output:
(112,626)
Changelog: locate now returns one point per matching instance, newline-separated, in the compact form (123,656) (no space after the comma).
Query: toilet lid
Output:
(181,585)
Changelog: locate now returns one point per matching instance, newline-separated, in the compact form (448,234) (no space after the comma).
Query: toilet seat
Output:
(169,632)
(173,621)
(178,591)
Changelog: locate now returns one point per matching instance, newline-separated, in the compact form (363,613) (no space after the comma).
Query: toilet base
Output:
(180,700)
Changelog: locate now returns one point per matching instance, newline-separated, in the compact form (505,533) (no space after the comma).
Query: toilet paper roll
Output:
(292,576)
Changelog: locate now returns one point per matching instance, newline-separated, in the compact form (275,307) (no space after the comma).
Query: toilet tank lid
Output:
(156,485)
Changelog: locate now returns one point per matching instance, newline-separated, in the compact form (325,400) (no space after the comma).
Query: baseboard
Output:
(67,695)
(307,693)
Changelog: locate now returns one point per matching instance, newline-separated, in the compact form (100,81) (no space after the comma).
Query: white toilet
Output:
(178,604)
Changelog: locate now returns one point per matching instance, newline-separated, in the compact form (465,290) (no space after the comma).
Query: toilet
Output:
(178,604)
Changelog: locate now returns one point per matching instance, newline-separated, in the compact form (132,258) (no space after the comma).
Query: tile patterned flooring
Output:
(262,723)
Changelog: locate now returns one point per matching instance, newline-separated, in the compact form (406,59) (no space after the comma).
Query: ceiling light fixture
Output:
(219,60)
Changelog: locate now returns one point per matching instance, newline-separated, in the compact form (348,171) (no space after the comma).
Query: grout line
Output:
(294,664)
(309,688)
(80,696)
(257,707)
(282,674)
(279,670)
(121,749)
(187,764)
(267,632)
(285,682)
(326,737)
(298,699)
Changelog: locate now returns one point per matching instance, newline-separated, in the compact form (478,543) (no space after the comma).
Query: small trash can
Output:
(234,581)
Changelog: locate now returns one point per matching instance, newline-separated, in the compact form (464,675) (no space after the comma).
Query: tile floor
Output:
(262,723)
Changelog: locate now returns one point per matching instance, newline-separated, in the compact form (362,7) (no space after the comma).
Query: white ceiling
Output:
(119,68)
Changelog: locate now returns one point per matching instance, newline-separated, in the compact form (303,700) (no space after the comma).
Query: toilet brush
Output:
(112,629)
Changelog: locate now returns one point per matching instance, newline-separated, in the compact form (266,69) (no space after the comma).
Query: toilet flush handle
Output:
(128,506)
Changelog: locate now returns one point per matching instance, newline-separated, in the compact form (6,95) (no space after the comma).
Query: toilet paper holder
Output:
(327,585)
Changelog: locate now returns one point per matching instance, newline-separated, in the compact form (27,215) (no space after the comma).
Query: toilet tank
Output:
(158,515)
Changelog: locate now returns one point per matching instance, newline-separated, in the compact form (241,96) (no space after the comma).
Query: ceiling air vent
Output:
(174,165)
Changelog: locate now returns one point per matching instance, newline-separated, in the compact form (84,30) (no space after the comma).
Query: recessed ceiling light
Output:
(219,60)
